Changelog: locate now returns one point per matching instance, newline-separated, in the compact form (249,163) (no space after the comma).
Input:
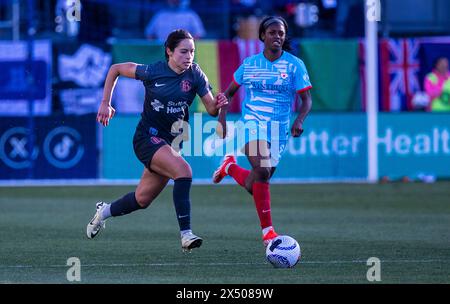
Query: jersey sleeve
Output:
(143,72)
(202,85)
(302,82)
(238,76)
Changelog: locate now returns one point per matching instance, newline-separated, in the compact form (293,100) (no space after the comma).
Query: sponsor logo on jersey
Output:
(155,140)
(185,86)
(174,107)
(157,105)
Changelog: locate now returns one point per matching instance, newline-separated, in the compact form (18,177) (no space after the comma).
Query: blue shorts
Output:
(145,146)
(275,133)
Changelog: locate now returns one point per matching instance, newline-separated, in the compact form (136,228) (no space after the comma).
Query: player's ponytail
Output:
(174,39)
(267,21)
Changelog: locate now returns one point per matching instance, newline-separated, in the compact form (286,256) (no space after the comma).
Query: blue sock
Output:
(181,190)
(125,205)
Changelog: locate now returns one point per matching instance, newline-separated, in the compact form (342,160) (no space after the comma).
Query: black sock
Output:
(125,205)
(181,189)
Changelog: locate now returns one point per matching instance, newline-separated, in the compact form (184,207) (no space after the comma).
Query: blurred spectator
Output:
(247,8)
(350,18)
(177,15)
(245,16)
(247,28)
(96,22)
(327,14)
(309,18)
(437,85)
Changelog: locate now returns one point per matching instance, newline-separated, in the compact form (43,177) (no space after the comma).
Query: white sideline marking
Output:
(220,264)
(195,181)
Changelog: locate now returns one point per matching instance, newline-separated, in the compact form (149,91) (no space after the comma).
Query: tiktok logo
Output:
(63,148)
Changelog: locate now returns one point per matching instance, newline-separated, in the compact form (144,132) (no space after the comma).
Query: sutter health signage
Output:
(332,147)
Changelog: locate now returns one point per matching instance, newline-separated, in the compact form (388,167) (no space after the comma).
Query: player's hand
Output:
(221,128)
(221,101)
(297,128)
(105,113)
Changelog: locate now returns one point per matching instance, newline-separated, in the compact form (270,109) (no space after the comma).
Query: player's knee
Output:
(143,200)
(183,171)
(262,174)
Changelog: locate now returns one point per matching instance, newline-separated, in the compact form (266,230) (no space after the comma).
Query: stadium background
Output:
(70,67)
(51,85)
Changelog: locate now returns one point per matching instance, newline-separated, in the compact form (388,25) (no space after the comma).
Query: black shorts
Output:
(146,145)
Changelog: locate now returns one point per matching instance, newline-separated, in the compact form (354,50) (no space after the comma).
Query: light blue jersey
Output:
(271,88)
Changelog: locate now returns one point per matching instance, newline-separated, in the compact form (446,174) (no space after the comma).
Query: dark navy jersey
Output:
(168,96)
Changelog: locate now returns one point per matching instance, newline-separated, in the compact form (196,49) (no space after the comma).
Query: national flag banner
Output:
(229,61)
(399,75)
(333,68)
(206,57)
(362,73)
(219,59)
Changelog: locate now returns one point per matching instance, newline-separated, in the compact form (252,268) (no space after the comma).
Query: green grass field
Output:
(338,226)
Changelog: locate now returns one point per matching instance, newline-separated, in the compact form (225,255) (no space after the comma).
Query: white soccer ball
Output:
(283,252)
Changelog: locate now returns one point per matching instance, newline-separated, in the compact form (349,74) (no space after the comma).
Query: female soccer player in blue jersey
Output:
(170,88)
(272,80)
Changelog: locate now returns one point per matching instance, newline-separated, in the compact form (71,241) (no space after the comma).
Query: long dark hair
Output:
(267,21)
(174,39)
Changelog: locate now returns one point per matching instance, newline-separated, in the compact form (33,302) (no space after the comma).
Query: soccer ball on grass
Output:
(283,252)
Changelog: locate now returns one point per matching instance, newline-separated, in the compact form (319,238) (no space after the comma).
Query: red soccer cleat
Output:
(269,236)
(220,173)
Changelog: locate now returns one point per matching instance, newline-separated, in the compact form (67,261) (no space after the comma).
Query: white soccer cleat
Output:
(96,224)
(190,241)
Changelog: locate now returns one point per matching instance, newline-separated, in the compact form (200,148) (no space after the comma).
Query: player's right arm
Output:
(222,120)
(106,111)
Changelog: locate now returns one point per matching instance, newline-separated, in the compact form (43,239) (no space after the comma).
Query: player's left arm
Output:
(305,108)
(212,104)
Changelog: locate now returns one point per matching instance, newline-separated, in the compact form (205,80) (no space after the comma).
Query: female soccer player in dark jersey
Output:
(170,88)
(272,80)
